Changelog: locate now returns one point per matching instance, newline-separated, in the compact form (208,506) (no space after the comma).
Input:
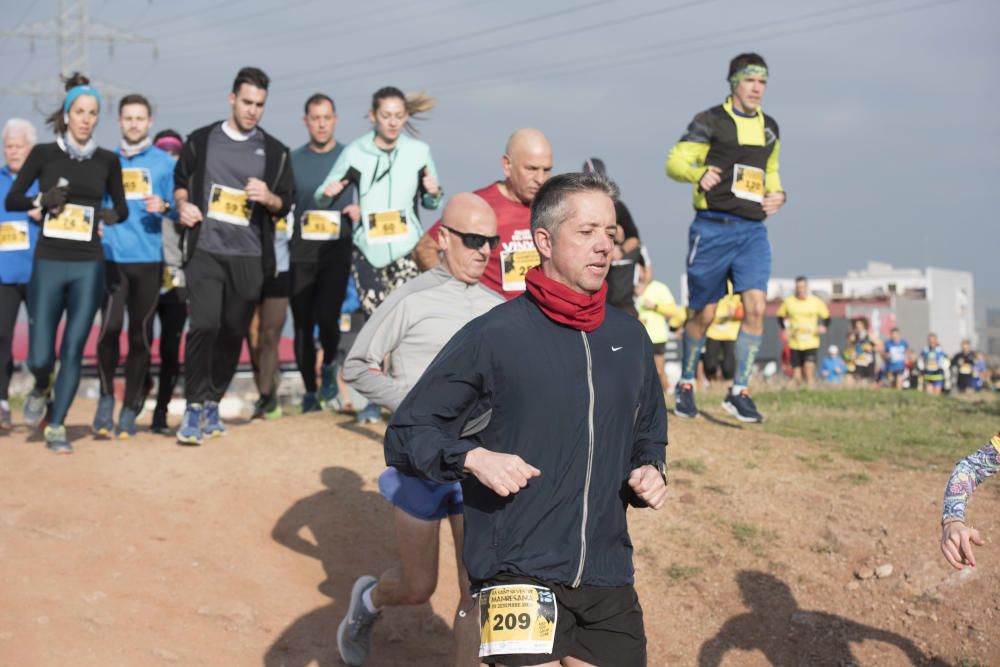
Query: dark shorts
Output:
(421,499)
(800,357)
(599,625)
(864,372)
(736,250)
(659,348)
(277,287)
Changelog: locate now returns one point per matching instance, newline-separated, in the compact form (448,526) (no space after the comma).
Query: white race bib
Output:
(514,264)
(229,205)
(14,236)
(75,223)
(137,182)
(748,182)
(387,226)
(519,618)
(320,225)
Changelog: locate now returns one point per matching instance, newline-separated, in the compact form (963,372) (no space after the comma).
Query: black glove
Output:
(55,198)
(108,216)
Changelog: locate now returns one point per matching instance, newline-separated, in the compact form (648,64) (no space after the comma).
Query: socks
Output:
(747,347)
(690,356)
(366,598)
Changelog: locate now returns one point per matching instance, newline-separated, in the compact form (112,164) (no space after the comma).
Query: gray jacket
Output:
(408,330)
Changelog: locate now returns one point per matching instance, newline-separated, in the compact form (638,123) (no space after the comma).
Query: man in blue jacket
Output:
(550,411)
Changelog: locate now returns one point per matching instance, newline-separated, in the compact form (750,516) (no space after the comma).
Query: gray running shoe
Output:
(55,440)
(36,405)
(355,631)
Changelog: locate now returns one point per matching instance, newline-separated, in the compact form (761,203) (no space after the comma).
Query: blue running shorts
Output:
(721,247)
(420,498)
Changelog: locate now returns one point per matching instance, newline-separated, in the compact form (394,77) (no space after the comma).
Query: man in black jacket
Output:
(550,411)
(232,181)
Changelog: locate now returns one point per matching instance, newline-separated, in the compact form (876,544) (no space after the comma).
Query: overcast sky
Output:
(887,109)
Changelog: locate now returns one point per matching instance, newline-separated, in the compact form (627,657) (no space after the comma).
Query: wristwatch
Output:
(659,465)
(166,207)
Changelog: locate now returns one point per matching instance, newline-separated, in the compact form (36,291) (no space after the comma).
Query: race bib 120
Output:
(748,182)
(14,236)
(229,205)
(387,226)
(518,618)
(75,223)
(137,181)
(320,225)
(514,264)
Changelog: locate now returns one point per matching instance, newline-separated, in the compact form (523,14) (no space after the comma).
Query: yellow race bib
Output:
(75,223)
(320,225)
(748,182)
(229,205)
(138,183)
(519,618)
(514,264)
(387,226)
(14,236)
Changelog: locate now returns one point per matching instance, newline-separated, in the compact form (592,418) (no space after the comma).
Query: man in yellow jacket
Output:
(806,318)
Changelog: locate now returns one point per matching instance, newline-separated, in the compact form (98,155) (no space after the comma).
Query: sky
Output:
(889,145)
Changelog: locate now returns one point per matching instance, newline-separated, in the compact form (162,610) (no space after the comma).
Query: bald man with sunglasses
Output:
(400,340)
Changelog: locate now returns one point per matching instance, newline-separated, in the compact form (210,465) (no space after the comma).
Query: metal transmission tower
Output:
(73,32)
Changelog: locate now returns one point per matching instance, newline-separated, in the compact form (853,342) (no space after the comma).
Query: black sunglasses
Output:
(474,241)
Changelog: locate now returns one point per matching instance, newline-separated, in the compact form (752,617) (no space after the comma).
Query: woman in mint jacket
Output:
(394,174)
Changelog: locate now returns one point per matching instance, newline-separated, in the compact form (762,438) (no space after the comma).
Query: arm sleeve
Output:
(17,197)
(968,474)
(185,167)
(376,340)
(772,181)
(337,173)
(686,161)
(650,444)
(284,188)
(116,188)
(424,438)
(824,313)
(624,217)
(432,201)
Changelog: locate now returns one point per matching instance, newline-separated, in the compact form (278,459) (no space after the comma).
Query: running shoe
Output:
(55,440)
(5,422)
(266,407)
(742,407)
(126,424)
(328,384)
(104,420)
(684,405)
(213,427)
(35,406)
(310,403)
(372,414)
(355,631)
(190,431)
(159,424)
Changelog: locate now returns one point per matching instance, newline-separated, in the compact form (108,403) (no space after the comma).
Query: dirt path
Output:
(242,552)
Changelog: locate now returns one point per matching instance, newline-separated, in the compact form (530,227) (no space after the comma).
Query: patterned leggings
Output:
(374,285)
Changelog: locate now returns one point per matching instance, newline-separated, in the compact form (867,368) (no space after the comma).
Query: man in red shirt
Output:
(527,164)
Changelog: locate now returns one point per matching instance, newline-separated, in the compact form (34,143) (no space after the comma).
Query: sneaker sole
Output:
(684,414)
(190,441)
(732,411)
(277,414)
(101,432)
(213,434)
(60,450)
(359,587)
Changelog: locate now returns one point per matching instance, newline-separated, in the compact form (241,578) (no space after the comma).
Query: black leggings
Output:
(172,311)
(134,288)
(318,290)
(716,351)
(11,298)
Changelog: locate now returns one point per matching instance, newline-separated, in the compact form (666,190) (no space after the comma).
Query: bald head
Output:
(466,213)
(527,164)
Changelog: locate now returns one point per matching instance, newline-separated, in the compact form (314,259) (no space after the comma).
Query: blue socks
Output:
(747,346)
(691,355)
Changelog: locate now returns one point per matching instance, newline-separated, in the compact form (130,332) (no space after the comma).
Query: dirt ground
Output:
(243,551)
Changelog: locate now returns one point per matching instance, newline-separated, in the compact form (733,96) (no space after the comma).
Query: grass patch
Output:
(695,466)
(714,488)
(969,662)
(873,425)
(750,465)
(678,572)
(752,537)
(927,598)
(855,478)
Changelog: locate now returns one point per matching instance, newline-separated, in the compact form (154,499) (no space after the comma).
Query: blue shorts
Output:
(721,247)
(421,499)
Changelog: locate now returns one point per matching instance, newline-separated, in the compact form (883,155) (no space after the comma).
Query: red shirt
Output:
(516,252)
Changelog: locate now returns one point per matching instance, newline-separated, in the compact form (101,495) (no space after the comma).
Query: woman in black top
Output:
(73,176)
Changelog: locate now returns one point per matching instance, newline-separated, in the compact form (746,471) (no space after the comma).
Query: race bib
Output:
(514,264)
(804,333)
(864,359)
(14,236)
(170,280)
(138,183)
(518,618)
(345,323)
(75,223)
(748,182)
(281,228)
(229,205)
(387,226)
(932,364)
(320,225)
(965,369)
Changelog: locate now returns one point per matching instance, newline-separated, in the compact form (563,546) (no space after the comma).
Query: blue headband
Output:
(76,91)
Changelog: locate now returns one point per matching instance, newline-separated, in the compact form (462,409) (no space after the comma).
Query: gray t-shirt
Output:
(229,163)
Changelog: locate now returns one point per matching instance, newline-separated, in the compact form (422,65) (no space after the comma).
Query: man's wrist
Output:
(951,519)
(660,466)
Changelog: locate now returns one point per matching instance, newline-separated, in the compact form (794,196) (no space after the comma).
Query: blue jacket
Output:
(584,408)
(15,265)
(139,238)
(833,369)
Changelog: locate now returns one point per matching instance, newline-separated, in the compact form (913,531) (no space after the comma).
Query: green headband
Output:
(749,70)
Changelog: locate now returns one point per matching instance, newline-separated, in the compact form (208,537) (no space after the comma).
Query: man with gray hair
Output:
(17,246)
(550,412)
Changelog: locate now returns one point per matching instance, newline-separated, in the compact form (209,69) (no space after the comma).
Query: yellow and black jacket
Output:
(744,148)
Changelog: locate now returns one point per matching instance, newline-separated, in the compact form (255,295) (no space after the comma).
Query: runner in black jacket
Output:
(553,404)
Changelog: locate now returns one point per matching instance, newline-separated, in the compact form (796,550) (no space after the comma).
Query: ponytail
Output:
(417,104)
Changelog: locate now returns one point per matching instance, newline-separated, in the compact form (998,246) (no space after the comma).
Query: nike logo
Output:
(615,349)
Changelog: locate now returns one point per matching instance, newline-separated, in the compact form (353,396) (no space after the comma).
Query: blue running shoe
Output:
(742,407)
(104,420)
(328,385)
(372,414)
(55,440)
(36,405)
(310,403)
(212,428)
(126,424)
(684,405)
(190,430)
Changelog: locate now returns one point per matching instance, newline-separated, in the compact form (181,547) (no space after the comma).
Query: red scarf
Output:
(565,306)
